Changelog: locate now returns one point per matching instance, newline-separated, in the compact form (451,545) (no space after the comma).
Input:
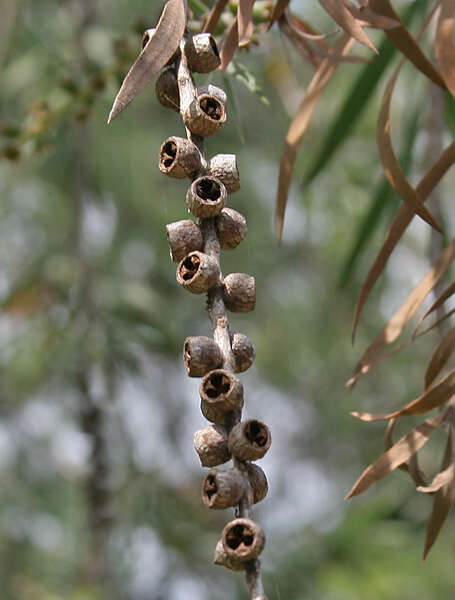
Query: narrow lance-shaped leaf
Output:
(158,50)
(443,498)
(440,357)
(393,328)
(396,456)
(245,21)
(445,295)
(278,11)
(214,16)
(299,126)
(412,468)
(355,103)
(444,46)
(230,45)
(399,226)
(404,41)
(339,12)
(432,398)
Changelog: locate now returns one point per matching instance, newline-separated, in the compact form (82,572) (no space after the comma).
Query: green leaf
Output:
(355,103)
(240,71)
(384,198)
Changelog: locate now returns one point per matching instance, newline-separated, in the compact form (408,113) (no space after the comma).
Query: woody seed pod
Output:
(201,355)
(224,168)
(221,393)
(179,158)
(202,53)
(243,539)
(206,114)
(212,446)
(244,352)
(239,291)
(250,440)
(230,227)
(258,482)
(167,89)
(198,272)
(222,488)
(183,237)
(221,558)
(206,197)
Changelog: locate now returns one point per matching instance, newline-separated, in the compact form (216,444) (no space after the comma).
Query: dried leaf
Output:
(432,398)
(396,456)
(392,168)
(278,11)
(412,468)
(440,480)
(368,18)
(440,357)
(404,41)
(214,16)
(442,500)
(230,45)
(155,54)
(393,328)
(245,21)
(444,47)
(340,13)
(445,295)
(399,226)
(300,124)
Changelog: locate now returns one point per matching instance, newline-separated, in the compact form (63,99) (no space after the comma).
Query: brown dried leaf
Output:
(368,18)
(155,54)
(444,47)
(214,16)
(392,168)
(440,357)
(278,11)
(396,456)
(300,123)
(404,42)
(341,14)
(399,226)
(432,398)
(230,45)
(393,328)
(443,498)
(440,480)
(445,295)
(412,468)
(245,21)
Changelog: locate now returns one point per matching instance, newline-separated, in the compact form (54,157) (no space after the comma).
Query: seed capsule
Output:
(244,352)
(222,488)
(167,89)
(183,237)
(224,168)
(198,272)
(206,114)
(221,393)
(202,54)
(211,444)
(243,539)
(239,291)
(206,197)
(250,440)
(179,158)
(201,355)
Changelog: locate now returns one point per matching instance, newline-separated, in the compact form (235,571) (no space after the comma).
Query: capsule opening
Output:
(208,189)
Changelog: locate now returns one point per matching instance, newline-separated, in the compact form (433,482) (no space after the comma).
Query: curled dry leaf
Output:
(394,327)
(300,123)
(278,11)
(432,398)
(404,42)
(440,480)
(245,21)
(399,226)
(396,456)
(443,497)
(444,46)
(440,357)
(341,14)
(392,168)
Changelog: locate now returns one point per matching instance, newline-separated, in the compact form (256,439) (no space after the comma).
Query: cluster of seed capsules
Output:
(196,245)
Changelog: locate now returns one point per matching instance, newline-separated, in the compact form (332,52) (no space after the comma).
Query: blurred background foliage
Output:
(99,485)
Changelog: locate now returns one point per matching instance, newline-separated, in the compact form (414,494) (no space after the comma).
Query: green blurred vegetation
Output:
(93,322)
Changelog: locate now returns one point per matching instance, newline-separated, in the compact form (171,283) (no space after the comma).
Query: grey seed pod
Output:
(243,539)
(213,90)
(224,168)
(231,228)
(198,272)
(201,355)
(206,197)
(179,158)
(183,237)
(148,34)
(250,440)
(206,114)
(239,291)
(221,393)
(222,488)
(258,482)
(211,444)
(202,53)
(167,89)
(243,350)
(221,558)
